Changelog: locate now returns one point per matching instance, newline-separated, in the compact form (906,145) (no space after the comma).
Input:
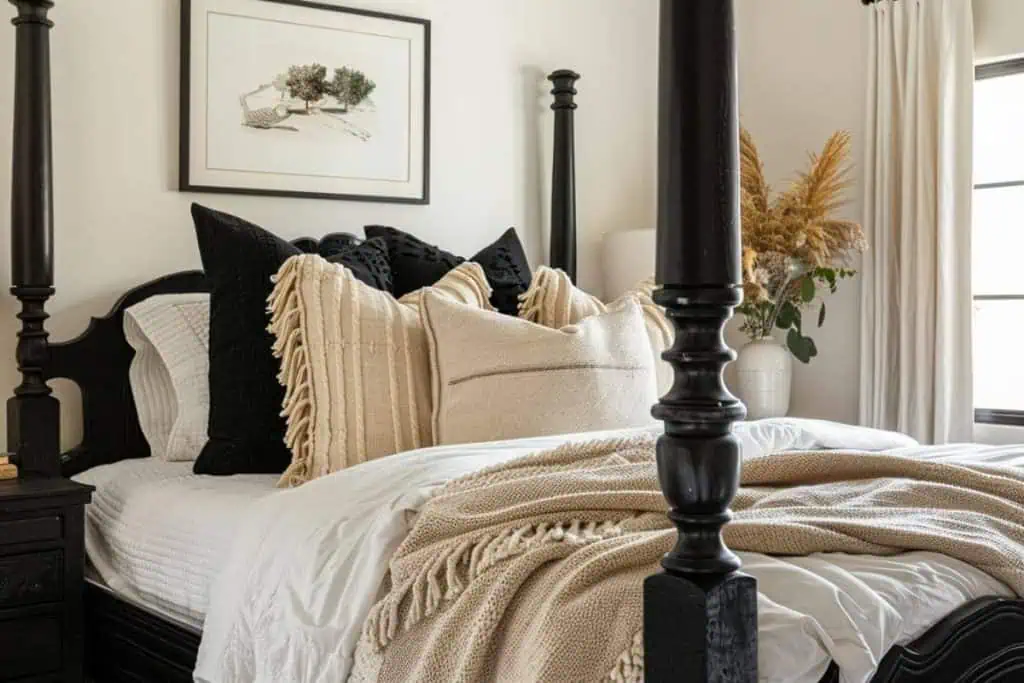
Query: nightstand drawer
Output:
(31,645)
(30,530)
(31,579)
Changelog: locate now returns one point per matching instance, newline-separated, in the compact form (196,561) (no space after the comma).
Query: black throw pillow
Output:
(246,430)
(508,272)
(367,259)
(415,264)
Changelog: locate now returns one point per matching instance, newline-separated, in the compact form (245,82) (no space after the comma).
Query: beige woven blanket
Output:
(533,570)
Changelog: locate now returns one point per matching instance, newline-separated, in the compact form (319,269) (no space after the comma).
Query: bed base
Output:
(982,642)
(127,644)
(978,643)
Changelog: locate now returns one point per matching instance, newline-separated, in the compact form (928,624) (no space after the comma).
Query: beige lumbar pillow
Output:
(354,363)
(554,301)
(499,377)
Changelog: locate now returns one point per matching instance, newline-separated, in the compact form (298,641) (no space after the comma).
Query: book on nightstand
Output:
(7,470)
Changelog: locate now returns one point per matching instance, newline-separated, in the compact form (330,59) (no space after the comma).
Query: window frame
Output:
(996,416)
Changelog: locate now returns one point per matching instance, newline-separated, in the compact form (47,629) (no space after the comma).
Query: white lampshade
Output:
(627,257)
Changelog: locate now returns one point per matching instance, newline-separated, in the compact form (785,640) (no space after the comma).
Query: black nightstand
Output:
(42,556)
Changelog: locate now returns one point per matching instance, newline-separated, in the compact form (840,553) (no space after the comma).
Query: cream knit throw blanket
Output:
(533,570)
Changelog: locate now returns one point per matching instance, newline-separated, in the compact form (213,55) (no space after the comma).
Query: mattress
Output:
(157,535)
(281,581)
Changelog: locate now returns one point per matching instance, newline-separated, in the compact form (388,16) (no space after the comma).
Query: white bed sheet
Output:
(308,564)
(157,535)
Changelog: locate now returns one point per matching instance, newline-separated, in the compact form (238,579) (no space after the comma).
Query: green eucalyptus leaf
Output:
(821,314)
(829,276)
(807,289)
(797,345)
(803,348)
(787,313)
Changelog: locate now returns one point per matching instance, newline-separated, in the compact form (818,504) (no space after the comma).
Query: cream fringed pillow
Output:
(554,301)
(354,363)
(498,377)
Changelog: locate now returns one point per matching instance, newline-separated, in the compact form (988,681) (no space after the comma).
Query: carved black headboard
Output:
(97,361)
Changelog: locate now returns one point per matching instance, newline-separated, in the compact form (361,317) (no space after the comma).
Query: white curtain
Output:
(916,288)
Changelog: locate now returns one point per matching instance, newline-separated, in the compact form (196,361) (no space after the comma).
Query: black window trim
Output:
(1008,418)
(998,185)
(1007,67)
(992,416)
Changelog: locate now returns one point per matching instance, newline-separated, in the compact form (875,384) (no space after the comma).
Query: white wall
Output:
(997,28)
(120,221)
(802,76)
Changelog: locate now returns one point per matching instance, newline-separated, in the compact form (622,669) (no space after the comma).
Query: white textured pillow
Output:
(169,375)
(498,377)
(354,363)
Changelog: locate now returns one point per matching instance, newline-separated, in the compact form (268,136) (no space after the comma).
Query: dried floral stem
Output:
(794,243)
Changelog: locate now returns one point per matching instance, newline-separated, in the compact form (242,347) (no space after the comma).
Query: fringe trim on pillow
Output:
(470,286)
(535,304)
(451,572)
(629,667)
(466,283)
(553,301)
(287,323)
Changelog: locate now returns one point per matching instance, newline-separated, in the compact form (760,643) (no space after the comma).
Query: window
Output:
(998,242)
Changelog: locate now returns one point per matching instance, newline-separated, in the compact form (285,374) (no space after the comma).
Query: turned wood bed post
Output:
(563,174)
(33,414)
(700,614)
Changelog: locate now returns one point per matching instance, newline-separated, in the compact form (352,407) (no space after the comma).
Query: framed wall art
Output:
(304,99)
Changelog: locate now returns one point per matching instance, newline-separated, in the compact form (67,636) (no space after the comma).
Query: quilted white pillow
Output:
(169,375)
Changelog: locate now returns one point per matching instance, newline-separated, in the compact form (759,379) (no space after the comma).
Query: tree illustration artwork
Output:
(307,83)
(350,87)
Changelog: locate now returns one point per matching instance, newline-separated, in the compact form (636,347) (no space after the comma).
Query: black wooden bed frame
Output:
(700,613)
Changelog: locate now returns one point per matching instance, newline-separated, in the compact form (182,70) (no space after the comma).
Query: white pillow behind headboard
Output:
(627,257)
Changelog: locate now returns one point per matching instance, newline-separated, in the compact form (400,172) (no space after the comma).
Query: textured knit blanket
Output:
(533,570)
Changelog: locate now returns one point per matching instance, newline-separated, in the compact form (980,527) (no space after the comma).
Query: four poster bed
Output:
(700,614)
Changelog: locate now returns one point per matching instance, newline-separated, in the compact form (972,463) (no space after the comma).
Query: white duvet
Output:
(308,564)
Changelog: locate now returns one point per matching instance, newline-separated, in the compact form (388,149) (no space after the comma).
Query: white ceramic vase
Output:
(764,376)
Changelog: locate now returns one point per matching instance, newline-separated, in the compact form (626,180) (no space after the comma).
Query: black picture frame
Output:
(184,114)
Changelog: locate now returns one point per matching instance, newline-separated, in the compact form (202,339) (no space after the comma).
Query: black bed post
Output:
(563,174)
(33,414)
(700,614)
